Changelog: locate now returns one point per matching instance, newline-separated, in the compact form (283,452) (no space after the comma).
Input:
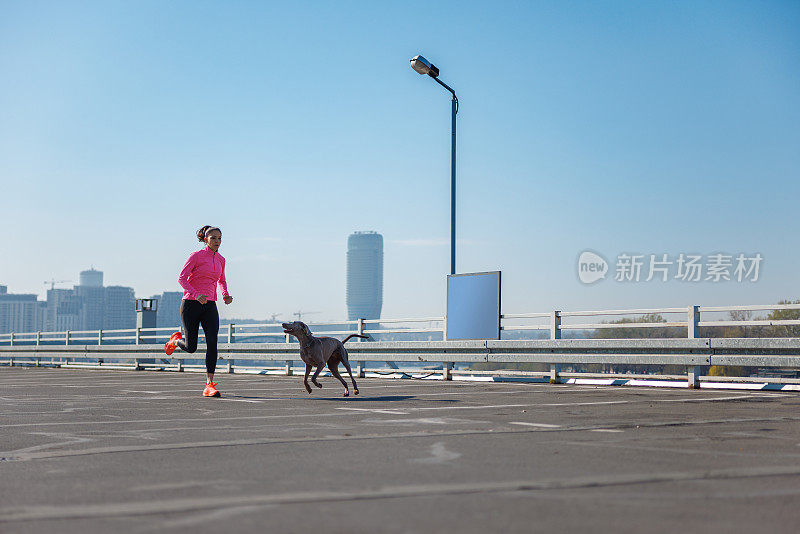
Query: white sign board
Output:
(473,306)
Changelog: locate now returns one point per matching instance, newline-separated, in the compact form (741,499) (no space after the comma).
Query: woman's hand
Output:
(202,299)
(228,299)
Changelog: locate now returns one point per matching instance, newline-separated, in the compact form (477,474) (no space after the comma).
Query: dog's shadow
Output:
(382,398)
(359,398)
(351,398)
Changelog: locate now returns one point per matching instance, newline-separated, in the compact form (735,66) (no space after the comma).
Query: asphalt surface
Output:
(120,451)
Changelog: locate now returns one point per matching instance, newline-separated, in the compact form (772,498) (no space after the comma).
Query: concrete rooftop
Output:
(121,451)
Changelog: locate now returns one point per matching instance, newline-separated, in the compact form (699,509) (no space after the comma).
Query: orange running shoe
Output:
(211,390)
(169,346)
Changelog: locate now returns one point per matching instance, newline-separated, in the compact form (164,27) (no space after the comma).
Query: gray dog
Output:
(318,351)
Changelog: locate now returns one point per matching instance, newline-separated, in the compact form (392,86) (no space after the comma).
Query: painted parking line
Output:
(725,398)
(376,410)
(538,425)
(531,405)
(403,411)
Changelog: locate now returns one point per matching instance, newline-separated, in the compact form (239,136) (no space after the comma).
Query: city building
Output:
(364,275)
(119,309)
(41,315)
(18,313)
(88,306)
(169,309)
(92,295)
(63,311)
(92,301)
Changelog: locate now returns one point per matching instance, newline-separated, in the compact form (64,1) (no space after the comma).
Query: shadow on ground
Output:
(351,398)
(384,398)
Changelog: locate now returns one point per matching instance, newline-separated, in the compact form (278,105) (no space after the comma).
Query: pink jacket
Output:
(201,273)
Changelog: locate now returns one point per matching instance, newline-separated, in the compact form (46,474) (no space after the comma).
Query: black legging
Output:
(194,314)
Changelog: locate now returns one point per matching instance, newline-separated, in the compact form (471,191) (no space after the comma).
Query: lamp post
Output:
(423,66)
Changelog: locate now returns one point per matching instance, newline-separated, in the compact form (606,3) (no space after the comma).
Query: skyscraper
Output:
(169,308)
(92,304)
(18,313)
(63,310)
(120,308)
(364,275)
(92,295)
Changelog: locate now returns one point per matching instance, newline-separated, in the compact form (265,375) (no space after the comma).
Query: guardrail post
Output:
(692,320)
(360,331)
(12,339)
(180,365)
(66,337)
(288,367)
(230,333)
(555,324)
(447,368)
(138,335)
(230,366)
(555,369)
(38,338)
(99,342)
(693,371)
(137,367)
(694,376)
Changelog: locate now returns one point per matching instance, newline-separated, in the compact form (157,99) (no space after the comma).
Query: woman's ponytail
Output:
(201,233)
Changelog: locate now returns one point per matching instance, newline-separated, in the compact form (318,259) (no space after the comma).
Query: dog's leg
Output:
(316,374)
(333,365)
(346,364)
(305,378)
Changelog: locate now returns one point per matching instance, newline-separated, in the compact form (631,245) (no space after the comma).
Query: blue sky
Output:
(638,127)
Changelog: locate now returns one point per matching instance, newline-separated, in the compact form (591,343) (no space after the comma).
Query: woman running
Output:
(199,278)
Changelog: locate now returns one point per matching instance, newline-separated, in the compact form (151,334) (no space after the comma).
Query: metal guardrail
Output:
(227,332)
(552,321)
(136,345)
(691,353)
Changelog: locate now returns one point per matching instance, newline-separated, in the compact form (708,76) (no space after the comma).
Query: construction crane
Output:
(300,314)
(53,282)
(273,316)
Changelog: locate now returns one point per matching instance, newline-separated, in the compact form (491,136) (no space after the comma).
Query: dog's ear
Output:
(306,328)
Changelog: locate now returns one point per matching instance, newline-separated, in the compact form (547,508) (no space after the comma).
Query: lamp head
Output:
(423,66)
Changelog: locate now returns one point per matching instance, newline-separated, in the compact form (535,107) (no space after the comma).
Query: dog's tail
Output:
(345,340)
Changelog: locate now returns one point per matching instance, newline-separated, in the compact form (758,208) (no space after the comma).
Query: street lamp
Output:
(423,66)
